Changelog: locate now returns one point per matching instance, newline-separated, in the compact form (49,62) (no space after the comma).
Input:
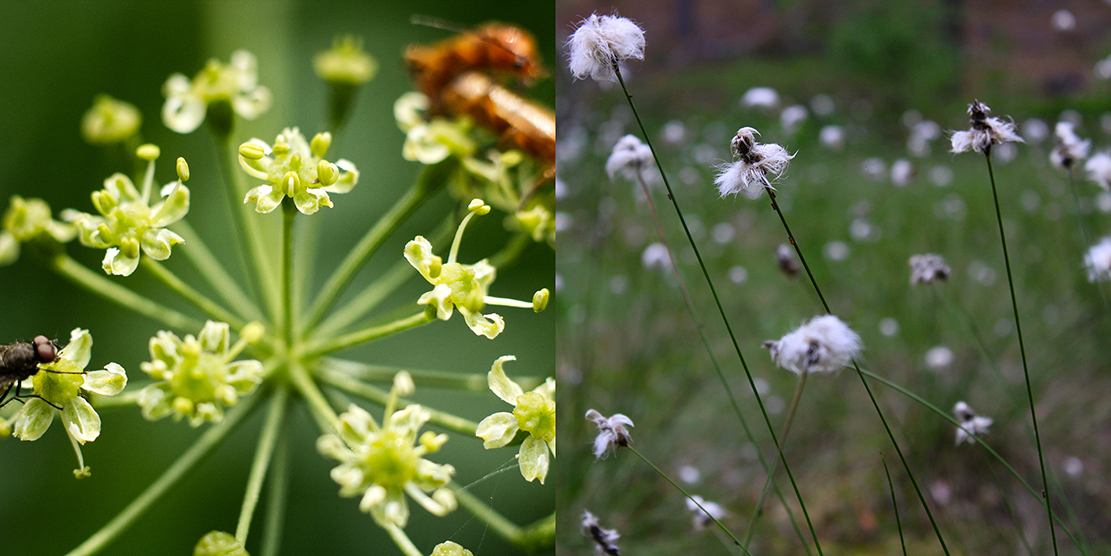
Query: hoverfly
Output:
(460,77)
(20,361)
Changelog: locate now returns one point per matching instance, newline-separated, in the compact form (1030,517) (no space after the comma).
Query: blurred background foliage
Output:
(58,56)
(873,75)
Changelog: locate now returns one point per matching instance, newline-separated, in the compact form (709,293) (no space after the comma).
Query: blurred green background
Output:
(872,71)
(58,56)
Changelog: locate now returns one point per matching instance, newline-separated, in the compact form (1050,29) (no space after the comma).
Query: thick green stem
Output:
(717,301)
(191,295)
(1022,352)
(263,456)
(381,397)
(431,179)
(122,296)
(289,211)
(474,382)
(210,268)
(691,498)
(319,407)
(402,540)
(502,526)
(323,347)
(193,456)
(276,498)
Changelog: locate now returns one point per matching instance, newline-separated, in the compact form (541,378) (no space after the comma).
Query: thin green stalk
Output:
(727,532)
(541,533)
(276,498)
(894,504)
(759,508)
(979,442)
(717,301)
(868,389)
(512,250)
(428,183)
(185,463)
(191,295)
(502,526)
(319,407)
(263,456)
(210,268)
(379,290)
(98,284)
(1014,517)
(248,227)
(474,382)
(322,347)
(402,540)
(381,397)
(1022,351)
(289,211)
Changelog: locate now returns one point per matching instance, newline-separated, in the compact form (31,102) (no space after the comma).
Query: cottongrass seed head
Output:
(704,517)
(1069,149)
(928,268)
(1099,169)
(600,43)
(985,131)
(604,539)
(823,345)
(612,432)
(1098,261)
(629,157)
(753,162)
(973,425)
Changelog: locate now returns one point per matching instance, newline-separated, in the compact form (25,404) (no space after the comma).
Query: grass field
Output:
(627,343)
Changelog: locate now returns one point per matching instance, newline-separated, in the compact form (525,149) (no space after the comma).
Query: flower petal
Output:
(157,243)
(500,384)
(533,459)
(81,420)
(33,420)
(117,263)
(266,197)
(489,325)
(183,112)
(310,200)
(497,430)
(108,382)
(214,337)
(79,349)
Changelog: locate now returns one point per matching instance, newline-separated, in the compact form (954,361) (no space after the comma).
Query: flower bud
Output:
(148,152)
(320,144)
(252,151)
(182,169)
(540,300)
(478,207)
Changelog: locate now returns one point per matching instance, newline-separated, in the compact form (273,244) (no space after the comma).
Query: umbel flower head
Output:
(928,268)
(604,539)
(1098,261)
(1099,169)
(110,121)
(295,168)
(973,425)
(197,377)
(823,345)
(29,220)
(461,286)
(612,432)
(1069,148)
(985,131)
(129,223)
(381,462)
(430,141)
(748,173)
(600,43)
(629,157)
(533,412)
(345,62)
(58,388)
(235,84)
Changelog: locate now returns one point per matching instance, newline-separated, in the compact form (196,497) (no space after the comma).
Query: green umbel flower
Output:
(28,220)
(59,385)
(236,84)
(297,169)
(533,412)
(110,121)
(129,224)
(430,142)
(197,377)
(450,549)
(219,543)
(382,464)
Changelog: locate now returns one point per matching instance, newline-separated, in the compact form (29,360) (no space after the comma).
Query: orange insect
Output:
(460,74)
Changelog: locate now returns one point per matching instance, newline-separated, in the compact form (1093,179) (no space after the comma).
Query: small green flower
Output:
(110,121)
(381,462)
(197,377)
(345,63)
(460,286)
(59,384)
(28,220)
(129,224)
(295,168)
(219,543)
(450,549)
(533,412)
(236,83)
(430,142)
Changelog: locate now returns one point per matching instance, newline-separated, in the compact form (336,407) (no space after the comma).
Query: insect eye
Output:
(44,349)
